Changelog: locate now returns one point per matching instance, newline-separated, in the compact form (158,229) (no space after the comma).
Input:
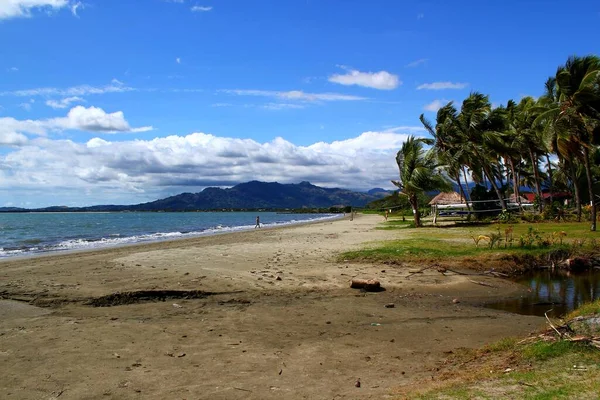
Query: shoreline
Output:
(186,236)
(275,317)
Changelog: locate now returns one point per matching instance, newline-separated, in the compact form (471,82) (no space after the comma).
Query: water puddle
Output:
(558,291)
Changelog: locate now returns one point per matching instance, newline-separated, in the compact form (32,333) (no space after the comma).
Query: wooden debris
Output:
(411,273)
(482,283)
(370,285)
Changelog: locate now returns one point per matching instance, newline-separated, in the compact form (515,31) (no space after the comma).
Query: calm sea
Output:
(31,233)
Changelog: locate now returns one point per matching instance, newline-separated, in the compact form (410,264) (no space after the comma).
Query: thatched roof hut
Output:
(522,199)
(447,198)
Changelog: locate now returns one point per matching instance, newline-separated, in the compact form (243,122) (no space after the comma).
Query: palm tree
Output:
(419,173)
(577,111)
(448,152)
(479,126)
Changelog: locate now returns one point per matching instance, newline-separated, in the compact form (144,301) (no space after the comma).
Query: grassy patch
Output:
(545,350)
(475,244)
(585,309)
(508,369)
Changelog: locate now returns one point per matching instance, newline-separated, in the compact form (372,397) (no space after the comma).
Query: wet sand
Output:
(273,318)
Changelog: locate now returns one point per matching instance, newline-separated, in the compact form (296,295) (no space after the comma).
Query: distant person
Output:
(386,215)
(257,222)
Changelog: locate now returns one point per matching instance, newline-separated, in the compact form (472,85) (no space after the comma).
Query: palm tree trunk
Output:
(514,182)
(462,192)
(588,174)
(575,189)
(550,177)
(415,207)
(536,175)
(468,197)
(495,186)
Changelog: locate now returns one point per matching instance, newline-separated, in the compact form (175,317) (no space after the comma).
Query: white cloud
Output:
(11,138)
(25,106)
(80,90)
(420,16)
(297,95)
(201,8)
(117,82)
(140,170)
(435,105)
(23,8)
(406,129)
(382,80)
(416,63)
(75,6)
(90,119)
(13,69)
(282,106)
(442,85)
(64,103)
(178,60)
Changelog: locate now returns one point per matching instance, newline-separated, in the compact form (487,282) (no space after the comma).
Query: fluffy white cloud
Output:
(382,80)
(296,95)
(435,105)
(90,119)
(201,8)
(64,103)
(141,170)
(80,90)
(23,8)
(442,85)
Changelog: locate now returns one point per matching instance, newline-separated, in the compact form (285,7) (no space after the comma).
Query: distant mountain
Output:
(380,192)
(249,195)
(257,194)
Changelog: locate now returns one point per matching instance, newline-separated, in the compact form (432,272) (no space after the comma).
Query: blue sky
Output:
(122,102)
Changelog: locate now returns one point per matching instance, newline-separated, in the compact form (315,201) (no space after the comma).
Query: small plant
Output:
(495,239)
(479,238)
(578,243)
(532,236)
(508,236)
(557,237)
(505,216)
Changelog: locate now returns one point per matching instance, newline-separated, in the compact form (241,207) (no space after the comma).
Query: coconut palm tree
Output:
(575,114)
(418,173)
(448,152)
(479,126)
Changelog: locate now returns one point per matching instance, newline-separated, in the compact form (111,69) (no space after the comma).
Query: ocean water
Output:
(23,234)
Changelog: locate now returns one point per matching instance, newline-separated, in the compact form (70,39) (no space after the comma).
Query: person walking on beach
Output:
(257,222)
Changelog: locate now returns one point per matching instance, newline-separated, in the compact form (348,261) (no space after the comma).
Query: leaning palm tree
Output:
(418,172)
(447,150)
(479,126)
(578,109)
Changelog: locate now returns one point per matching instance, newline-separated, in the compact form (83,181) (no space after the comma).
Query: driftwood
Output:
(370,285)
(411,273)
(482,283)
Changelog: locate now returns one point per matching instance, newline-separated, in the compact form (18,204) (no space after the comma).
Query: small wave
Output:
(115,239)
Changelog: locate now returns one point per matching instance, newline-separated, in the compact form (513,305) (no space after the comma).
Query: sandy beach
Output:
(269,314)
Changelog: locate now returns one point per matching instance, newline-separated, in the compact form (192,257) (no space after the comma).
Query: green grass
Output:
(538,371)
(585,309)
(439,243)
(545,350)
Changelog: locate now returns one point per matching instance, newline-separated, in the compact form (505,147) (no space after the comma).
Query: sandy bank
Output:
(288,326)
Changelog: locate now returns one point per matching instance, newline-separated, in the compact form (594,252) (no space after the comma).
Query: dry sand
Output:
(305,336)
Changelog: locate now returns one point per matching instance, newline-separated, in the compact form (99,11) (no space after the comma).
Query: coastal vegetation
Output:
(546,365)
(548,144)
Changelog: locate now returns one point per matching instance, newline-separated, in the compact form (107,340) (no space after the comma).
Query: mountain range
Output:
(249,195)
